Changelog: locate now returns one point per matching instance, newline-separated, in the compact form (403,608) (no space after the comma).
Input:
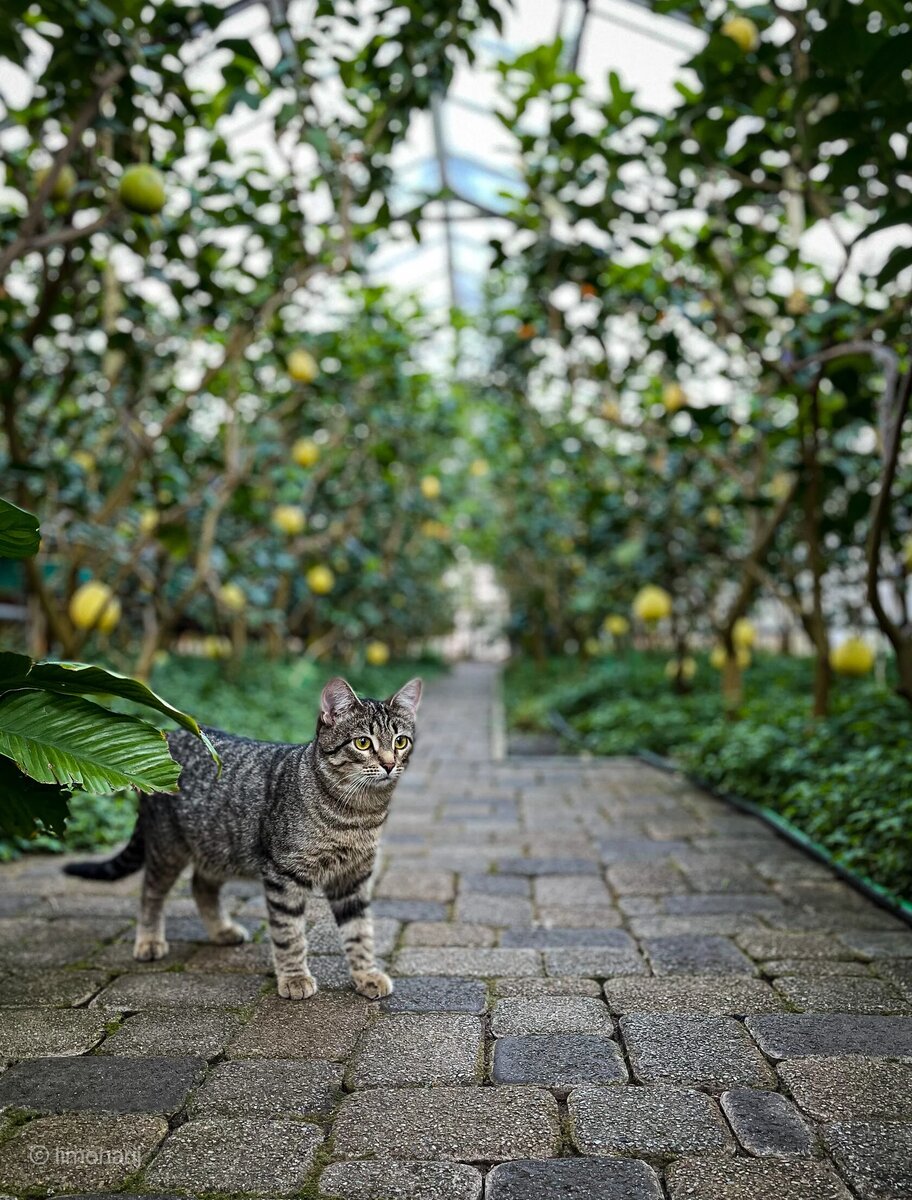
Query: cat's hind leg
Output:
(286,899)
(222,930)
(162,870)
(351,908)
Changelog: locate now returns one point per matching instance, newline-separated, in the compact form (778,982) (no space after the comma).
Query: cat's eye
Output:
(401,742)
(362,743)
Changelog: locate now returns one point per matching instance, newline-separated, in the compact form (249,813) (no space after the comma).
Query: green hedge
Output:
(846,781)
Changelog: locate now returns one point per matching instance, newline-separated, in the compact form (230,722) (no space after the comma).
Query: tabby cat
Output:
(299,817)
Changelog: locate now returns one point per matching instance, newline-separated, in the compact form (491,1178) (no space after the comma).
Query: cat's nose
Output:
(388,761)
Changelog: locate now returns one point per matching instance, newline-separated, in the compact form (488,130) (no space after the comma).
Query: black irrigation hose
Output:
(785,829)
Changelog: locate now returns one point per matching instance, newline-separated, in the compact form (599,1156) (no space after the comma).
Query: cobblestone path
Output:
(609,986)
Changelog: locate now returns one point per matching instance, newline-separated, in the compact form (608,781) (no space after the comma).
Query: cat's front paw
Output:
(149,947)
(231,935)
(296,987)
(373,983)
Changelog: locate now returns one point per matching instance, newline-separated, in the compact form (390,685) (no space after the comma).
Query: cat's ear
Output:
(337,699)
(408,697)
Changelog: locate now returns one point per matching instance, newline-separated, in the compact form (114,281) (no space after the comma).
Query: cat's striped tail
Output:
(130,859)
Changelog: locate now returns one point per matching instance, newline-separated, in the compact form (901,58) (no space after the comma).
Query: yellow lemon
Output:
(289,518)
(232,597)
(94,606)
(652,603)
(743,657)
(430,487)
(780,485)
(611,410)
(852,657)
(215,646)
(377,653)
(713,516)
(84,460)
(142,190)
(616,625)
(796,304)
(64,184)
(592,646)
(743,32)
(717,658)
(305,452)
(302,366)
(148,520)
(673,397)
(687,667)
(479,468)
(743,634)
(320,580)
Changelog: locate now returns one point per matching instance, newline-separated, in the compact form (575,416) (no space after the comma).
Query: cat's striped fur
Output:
(298,817)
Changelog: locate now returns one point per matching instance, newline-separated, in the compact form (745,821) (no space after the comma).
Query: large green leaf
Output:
(27,806)
(19,536)
(82,679)
(67,740)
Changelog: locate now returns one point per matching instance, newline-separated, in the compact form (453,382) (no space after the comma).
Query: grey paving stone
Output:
(767,1124)
(843,1089)
(436,993)
(203,1032)
(83,1153)
(478,963)
(547,866)
(550,1014)
(820,968)
(237,1155)
(896,971)
(118,956)
(448,933)
(495,885)
(495,910)
(719,925)
(418,1048)
(647,879)
(570,889)
(326,1027)
(579,916)
(572,1179)
(34,942)
(476,1124)
(772,944)
(254,958)
(637,849)
(569,986)
(841,995)
(272,1087)
(879,945)
(711,1052)
(38,1032)
(750,1178)
(648,1121)
(596,961)
(55,989)
(708,995)
(721,875)
(181,990)
(707,903)
(97,1084)
(400,883)
(550,939)
(801,1035)
(696,955)
(410,910)
(875,1156)
(558,1060)
(402,1181)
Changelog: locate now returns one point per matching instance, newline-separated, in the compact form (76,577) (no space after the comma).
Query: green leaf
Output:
(82,679)
(13,669)
(19,536)
(27,807)
(67,740)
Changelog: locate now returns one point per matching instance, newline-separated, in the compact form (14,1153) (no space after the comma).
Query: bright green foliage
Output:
(845,781)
